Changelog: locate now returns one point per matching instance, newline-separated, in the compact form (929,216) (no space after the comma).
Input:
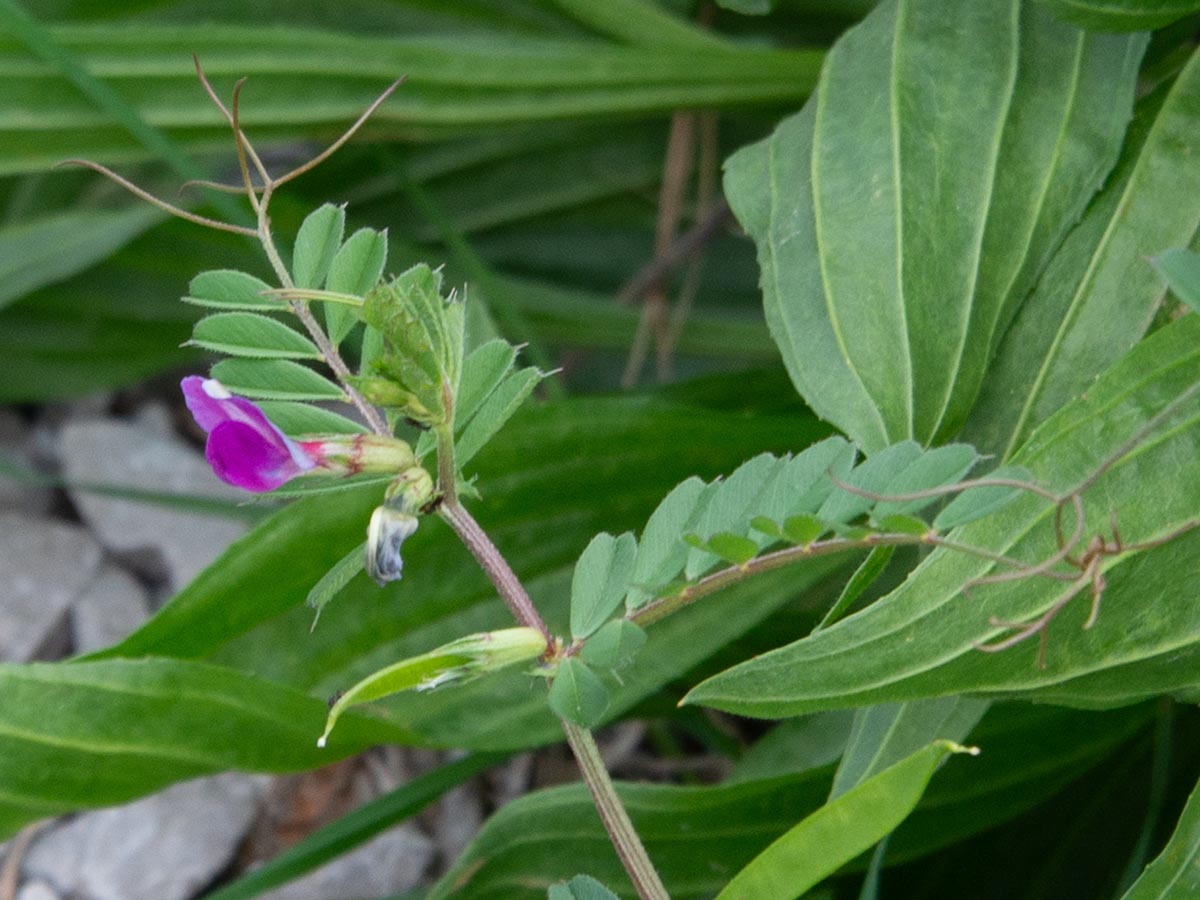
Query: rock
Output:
(17,491)
(44,566)
(109,608)
(163,541)
(459,816)
(36,890)
(167,846)
(387,864)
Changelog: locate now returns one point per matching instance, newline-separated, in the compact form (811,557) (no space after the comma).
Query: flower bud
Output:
(353,454)
(389,528)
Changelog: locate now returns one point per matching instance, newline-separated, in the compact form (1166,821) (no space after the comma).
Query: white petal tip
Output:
(215,389)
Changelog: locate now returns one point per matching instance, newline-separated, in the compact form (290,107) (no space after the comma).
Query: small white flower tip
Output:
(321,742)
(215,389)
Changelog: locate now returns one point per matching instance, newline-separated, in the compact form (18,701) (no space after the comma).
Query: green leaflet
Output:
(251,335)
(275,379)
(891,270)
(355,269)
(317,243)
(230,289)
(839,831)
(581,887)
(919,641)
(600,581)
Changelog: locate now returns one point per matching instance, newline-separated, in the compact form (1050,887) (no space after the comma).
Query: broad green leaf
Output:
(317,244)
(110,731)
(500,406)
(251,335)
(600,581)
(301,418)
(1175,873)
(794,746)
(661,551)
(864,576)
(839,831)
(614,645)
(355,269)
(1098,295)
(581,887)
(355,828)
(52,248)
(275,379)
(1181,268)
(890,270)
(333,581)
(314,82)
(885,734)
(975,503)
(230,289)
(919,641)
(459,661)
(1122,15)
(577,694)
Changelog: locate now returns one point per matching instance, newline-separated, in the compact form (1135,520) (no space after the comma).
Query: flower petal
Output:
(241,455)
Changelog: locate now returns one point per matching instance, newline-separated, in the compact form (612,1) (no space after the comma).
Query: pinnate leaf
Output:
(301,418)
(661,552)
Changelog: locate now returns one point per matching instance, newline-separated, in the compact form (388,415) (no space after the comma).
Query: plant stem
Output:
(511,591)
(612,813)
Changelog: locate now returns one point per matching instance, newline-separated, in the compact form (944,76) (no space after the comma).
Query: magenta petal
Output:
(242,456)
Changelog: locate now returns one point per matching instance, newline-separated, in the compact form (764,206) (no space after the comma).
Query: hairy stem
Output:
(612,813)
(511,591)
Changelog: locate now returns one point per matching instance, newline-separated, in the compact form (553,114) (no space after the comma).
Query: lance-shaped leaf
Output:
(839,831)
(1175,874)
(1122,15)
(252,335)
(453,663)
(920,640)
(904,213)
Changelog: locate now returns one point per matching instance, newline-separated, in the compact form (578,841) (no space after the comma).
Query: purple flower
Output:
(244,448)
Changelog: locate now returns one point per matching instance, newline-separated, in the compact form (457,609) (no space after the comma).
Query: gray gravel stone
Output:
(44,566)
(388,864)
(112,606)
(164,847)
(36,890)
(160,540)
(17,493)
